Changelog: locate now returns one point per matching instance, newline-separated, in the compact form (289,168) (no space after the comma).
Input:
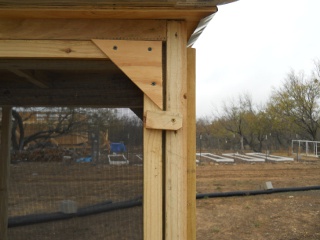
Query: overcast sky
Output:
(251,45)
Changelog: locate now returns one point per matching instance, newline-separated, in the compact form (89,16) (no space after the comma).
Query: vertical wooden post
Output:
(176,141)
(191,128)
(152,180)
(4,169)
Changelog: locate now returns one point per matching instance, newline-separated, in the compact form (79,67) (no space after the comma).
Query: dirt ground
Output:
(38,187)
(279,216)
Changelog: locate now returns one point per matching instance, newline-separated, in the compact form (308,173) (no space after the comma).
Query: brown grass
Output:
(37,187)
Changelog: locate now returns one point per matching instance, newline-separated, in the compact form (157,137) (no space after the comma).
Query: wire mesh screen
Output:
(75,174)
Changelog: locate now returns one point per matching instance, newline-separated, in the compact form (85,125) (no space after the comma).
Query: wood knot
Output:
(68,50)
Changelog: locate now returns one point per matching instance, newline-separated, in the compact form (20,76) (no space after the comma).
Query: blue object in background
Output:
(84,160)
(117,148)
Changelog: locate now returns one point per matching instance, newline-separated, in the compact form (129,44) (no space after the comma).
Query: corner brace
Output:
(141,61)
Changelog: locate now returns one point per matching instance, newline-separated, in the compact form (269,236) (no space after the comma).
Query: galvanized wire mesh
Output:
(70,183)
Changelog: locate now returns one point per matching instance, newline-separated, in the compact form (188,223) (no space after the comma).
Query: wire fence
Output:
(70,170)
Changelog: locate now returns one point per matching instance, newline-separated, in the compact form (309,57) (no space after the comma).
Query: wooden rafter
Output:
(29,77)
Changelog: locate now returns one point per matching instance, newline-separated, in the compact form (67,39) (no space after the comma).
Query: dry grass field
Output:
(38,187)
(278,216)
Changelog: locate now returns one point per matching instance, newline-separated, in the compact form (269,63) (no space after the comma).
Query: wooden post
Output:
(152,180)
(4,169)
(176,141)
(191,128)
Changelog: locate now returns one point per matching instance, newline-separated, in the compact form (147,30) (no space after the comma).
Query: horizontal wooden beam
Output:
(59,64)
(118,3)
(191,15)
(82,29)
(72,88)
(163,120)
(49,49)
(164,13)
(71,79)
(64,97)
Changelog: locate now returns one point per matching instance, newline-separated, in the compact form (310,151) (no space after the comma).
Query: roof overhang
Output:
(197,13)
(44,47)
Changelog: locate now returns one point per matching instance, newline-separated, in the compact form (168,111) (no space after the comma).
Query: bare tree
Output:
(235,118)
(297,102)
(56,122)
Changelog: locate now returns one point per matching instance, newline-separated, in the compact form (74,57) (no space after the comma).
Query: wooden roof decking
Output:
(66,82)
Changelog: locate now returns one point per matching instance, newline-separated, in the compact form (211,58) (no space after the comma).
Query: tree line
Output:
(291,112)
(51,123)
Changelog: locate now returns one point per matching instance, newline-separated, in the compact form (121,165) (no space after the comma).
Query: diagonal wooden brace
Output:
(163,120)
(141,61)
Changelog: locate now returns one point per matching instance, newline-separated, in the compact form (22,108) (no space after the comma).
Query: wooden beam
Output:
(132,13)
(163,120)
(113,3)
(190,14)
(71,97)
(153,179)
(29,77)
(141,61)
(176,141)
(59,64)
(191,139)
(82,29)
(50,49)
(4,170)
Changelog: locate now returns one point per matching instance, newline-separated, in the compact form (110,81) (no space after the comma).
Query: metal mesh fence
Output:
(75,174)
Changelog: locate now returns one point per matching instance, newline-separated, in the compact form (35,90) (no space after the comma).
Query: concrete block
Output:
(68,206)
(268,185)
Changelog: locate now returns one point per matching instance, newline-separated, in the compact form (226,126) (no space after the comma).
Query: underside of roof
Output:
(32,79)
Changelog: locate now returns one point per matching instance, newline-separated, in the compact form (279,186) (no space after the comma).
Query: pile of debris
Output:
(42,155)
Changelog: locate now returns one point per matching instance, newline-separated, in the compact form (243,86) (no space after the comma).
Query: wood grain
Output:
(191,136)
(119,3)
(82,29)
(141,61)
(163,120)
(153,179)
(49,49)
(191,15)
(176,141)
